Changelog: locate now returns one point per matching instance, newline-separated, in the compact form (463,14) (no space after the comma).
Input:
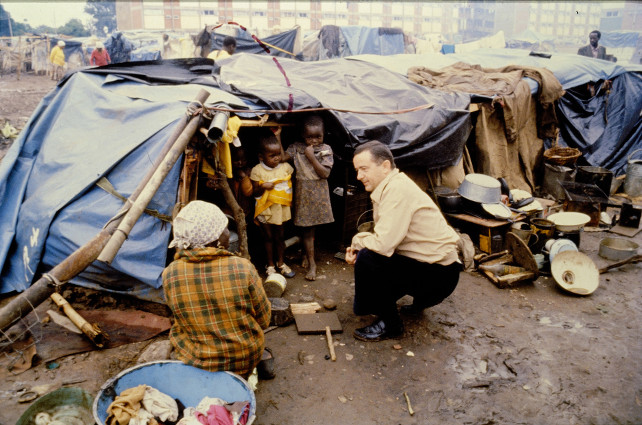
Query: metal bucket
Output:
(601,177)
(553,175)
(633,180)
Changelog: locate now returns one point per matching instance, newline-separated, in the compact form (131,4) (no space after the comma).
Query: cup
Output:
(544,229)
(524,232)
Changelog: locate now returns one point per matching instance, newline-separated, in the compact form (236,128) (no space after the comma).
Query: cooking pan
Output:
(480,188)
(449,202)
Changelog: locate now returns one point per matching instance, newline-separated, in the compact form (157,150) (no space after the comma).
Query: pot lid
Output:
(569,218)
(575,272)
(498,210)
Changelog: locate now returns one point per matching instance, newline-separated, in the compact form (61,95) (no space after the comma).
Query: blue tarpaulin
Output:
(111,122)
(91,126)
(284,41)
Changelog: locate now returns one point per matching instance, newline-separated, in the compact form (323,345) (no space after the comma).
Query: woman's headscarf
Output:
(198,224)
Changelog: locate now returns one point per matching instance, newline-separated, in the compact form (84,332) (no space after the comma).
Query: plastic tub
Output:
(186,383)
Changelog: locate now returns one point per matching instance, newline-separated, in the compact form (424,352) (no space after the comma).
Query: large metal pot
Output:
(481,188)
(449,202)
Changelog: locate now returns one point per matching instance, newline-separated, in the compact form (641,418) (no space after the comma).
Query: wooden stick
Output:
(412,412)
(328,336)
(93,332)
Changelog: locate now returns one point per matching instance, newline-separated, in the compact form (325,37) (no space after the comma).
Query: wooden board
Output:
(305,308)
(624,231)
(521,253)
(316,323)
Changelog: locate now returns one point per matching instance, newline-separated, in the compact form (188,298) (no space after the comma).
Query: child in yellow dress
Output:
(271,180)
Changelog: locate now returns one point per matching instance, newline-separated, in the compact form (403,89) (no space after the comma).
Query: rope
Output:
(53,280)
(279,111)
(194,108)
(106,185)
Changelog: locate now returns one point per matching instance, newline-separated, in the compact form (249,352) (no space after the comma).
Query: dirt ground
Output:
(529,355)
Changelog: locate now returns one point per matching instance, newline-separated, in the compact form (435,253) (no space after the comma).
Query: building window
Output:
(208,12)
(303,15)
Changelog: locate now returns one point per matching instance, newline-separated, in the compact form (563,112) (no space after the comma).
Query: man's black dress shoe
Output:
(378,331)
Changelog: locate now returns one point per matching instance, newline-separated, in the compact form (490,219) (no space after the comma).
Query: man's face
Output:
(368,171)
(593,39)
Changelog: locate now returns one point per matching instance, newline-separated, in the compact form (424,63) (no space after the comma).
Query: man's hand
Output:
(351,255)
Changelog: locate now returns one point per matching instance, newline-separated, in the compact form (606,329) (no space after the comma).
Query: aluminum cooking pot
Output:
(481,188)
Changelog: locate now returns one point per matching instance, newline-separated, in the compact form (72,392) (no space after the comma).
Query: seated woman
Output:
(219,305)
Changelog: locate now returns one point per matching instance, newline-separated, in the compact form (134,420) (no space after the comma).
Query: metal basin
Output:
(617,248)
(481,188)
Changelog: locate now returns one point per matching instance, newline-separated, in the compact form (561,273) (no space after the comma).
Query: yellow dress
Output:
(273,212)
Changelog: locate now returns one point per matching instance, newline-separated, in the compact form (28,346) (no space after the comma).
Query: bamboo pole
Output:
(127,223)
(78,261)
(93,332)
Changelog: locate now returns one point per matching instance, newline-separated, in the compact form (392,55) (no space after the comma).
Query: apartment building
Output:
(189,15)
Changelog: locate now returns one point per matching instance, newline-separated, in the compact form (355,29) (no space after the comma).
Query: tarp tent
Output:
(333,41)
(603,142)
(111,121)
(282,44)
(626,46)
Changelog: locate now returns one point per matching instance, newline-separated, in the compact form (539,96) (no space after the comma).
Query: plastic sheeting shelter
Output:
(112,121)
(282,44)
(333,41)
(604,142)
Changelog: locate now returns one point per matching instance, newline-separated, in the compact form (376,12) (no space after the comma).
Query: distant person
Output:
(229,47)
(411,251)
(57,59)
(313,162)
(593,50)
(100,56)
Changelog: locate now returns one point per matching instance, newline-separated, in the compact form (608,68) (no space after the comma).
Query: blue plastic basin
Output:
(188,384)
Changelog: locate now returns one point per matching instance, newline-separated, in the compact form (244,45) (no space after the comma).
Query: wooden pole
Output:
(19,66)
(78,261)
(138,207)
(93,332)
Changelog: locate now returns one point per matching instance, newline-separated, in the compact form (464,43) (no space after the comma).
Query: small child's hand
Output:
(309,151)
(277,132)
(267,185)
(240,173)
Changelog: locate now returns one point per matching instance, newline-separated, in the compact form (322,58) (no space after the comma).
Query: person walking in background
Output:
(592,50)
(57,59)
(411,251)
(229,47)
(272,183)
(217,298)
(100,56)
(313,162)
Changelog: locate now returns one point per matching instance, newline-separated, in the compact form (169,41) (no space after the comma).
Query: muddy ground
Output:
(529,355)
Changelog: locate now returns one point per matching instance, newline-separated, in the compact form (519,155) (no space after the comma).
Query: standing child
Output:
(313,162)
(271,180)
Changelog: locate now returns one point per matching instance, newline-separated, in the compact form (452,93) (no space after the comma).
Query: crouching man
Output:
(411,251)
(219,305)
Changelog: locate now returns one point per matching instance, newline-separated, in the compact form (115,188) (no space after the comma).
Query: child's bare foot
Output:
(304,263)
(312,273)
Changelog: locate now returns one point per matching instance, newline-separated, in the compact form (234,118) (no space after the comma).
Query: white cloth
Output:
(160,405)
(198,224)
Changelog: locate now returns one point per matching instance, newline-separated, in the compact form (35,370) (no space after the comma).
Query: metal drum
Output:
(633,180)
